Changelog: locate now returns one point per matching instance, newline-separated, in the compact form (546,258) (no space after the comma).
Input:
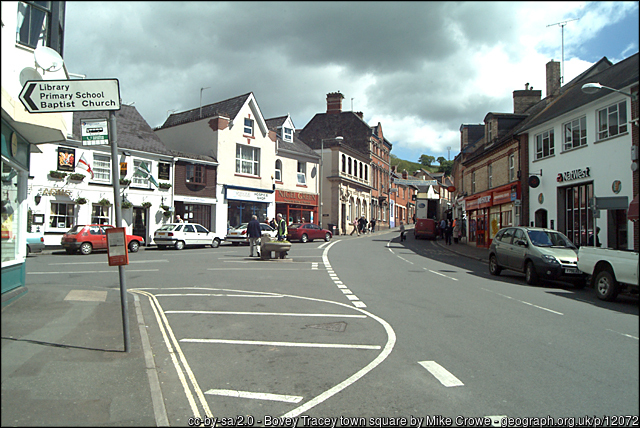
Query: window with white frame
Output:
(101,167)
(612,120)
(360,170)
(33,23)
(575,133)
(247,160)
(473,182)
(302,172)
(278,170)
(100,214)
(62,215)
(366,172)
(137,179)
(248,126)
(350,170)
(512,167)
(545,145)
(287,134)
(344,164)
(490,175)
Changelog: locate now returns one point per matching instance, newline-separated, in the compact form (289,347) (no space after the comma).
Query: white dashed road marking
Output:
(255,395)
(440,373)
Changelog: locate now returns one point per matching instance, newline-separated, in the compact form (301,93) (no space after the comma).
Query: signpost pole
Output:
(117,204)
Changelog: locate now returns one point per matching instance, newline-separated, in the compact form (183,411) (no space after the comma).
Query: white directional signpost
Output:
(60,96)
(57,96)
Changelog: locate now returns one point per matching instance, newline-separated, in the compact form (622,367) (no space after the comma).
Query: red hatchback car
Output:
(305,232)
(87,238)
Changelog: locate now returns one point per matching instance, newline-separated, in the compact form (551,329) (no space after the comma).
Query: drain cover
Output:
(332,326)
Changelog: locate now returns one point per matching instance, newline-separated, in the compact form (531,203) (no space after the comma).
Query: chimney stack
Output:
(334,102)
(553,78)
(523,100)
(360,115)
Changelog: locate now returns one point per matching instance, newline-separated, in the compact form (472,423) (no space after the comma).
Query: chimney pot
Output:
(334,102)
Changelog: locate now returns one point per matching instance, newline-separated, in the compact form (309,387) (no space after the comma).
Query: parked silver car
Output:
(539,253)
(180,235)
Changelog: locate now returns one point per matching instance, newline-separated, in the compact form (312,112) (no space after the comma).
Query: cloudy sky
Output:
(420,69)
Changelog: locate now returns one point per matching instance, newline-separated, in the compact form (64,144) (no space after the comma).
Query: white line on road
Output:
(440,373)
(103,262)
(522,301)
(261,269)
(438,273)
(623,334)
(284,314)
(255,395)
(211,295)
(289,344)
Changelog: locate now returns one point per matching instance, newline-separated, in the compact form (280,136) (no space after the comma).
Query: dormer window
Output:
(248,127)
(287,134)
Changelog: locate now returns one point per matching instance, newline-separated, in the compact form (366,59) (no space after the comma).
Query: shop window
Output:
(62,215)
(545,145)
(247,160)
(195,174)
(101,167)
(100,214)
(10,213)
(612,120)
(575,133)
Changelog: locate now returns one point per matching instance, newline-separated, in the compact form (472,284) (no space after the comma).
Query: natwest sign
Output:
(299,198)
(576,174)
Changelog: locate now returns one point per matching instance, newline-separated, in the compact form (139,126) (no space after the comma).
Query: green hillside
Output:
(411,167)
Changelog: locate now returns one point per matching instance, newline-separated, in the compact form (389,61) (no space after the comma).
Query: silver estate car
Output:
(538,253)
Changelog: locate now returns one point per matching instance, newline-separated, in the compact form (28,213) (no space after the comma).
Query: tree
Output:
(426,160)
(445,166)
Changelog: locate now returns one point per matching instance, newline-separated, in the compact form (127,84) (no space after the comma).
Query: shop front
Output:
(15,172)
(243,203)
(297,207)
(490,211)
(196,210)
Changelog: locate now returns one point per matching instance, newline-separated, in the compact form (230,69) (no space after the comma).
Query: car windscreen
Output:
(294,226)
(543,238)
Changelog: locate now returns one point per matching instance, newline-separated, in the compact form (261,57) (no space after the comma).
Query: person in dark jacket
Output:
(448,232)
(254,232)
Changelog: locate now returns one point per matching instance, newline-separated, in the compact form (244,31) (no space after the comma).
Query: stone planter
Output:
(279,248)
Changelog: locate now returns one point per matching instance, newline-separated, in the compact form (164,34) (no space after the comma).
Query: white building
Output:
(579,148)
(82,197)
(234,133)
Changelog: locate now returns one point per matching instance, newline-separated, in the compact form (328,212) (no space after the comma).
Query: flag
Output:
(142,170)
(82,163)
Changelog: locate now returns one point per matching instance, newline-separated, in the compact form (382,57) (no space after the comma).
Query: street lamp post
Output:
(592,88)
(339,138)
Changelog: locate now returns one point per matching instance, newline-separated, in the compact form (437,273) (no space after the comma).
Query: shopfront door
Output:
(140,222)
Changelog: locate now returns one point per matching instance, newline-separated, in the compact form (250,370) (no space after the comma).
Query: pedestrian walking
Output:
(254,232)
(372,225)
(448,232)
(282,228)
(456,230)
(403,236)
(179,219)
(272,223)
(355,227)
(443,228)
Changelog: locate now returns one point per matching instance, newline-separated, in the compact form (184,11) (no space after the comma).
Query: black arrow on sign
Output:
(27,96)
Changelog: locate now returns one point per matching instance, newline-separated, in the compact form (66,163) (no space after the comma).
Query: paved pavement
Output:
(63,359)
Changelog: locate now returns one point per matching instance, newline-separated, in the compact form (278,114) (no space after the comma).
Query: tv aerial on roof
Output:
(48,59)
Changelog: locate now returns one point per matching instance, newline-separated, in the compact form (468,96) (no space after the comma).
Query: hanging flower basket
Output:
(146,205)
(76,176)
(104,202)
(126,204)
(162,185)
(57,174)
(124,182)
(81,201)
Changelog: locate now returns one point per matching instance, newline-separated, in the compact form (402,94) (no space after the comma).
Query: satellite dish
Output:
(48,59)
(29,73)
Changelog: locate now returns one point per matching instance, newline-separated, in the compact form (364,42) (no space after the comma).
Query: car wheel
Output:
(304,238)
(215,243)
(530,274)
(134,246)
(86,248)
(179,245)
(69,250)
(606,286)
(327,237)
(28,251)
(494,268)
(235,244)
